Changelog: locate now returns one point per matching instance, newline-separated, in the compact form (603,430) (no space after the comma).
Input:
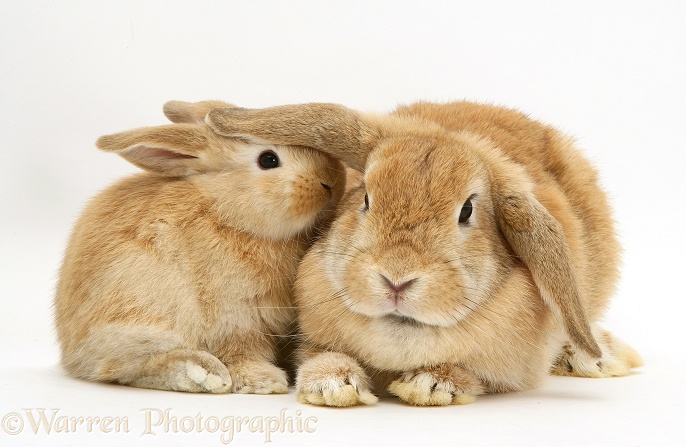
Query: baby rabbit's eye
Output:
(366,202)
(466,211)
(268,160)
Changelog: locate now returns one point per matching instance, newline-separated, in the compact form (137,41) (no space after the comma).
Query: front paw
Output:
(258,377)
(443,384)
(333,379)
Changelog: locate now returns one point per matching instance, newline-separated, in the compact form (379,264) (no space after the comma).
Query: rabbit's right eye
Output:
(466,211)
(268,160)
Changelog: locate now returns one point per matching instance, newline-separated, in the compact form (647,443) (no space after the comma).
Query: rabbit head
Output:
(273,191)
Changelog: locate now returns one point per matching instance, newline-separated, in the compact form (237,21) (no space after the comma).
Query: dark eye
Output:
(466,211)
(366,202)
(268,160)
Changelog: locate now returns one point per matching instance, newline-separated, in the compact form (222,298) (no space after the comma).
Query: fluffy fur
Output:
(181,278)
(403,296)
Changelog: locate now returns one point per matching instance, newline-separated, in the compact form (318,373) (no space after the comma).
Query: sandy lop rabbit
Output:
(476,256)
(180,278)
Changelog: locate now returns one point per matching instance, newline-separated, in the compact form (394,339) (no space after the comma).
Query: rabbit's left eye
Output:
(466,211)
(268,160)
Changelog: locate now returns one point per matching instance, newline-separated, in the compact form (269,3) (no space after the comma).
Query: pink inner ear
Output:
(157,152)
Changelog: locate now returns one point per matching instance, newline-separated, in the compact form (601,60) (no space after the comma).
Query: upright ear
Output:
(539,240)
(174,150)
(330,128)
(191,112)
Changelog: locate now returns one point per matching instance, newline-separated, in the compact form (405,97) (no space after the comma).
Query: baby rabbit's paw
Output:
(259,377)
(333,379)
(206,381)
(186,370)
(443,384)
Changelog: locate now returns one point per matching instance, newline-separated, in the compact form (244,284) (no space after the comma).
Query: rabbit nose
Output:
(397,289)
(327,188)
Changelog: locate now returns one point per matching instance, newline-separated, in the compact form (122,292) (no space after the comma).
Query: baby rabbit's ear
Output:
(539,240)
(330,128)
(173,150)
(191,112)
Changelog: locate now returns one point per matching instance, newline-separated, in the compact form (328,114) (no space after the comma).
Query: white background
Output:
(610,73)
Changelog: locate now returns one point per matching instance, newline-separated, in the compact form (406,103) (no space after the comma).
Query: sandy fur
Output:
(181,278)
(490,305)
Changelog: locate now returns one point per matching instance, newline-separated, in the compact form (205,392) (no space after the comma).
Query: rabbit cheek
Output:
(363,294)
(308,197)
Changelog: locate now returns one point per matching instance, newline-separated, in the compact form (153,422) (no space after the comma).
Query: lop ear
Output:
(330,128)
(539,240)
(191,112)
(173,150)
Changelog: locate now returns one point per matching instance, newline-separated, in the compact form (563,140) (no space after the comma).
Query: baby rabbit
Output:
(477,254)
(181,278)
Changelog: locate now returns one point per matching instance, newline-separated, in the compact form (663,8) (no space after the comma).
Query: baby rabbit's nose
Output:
(328,189)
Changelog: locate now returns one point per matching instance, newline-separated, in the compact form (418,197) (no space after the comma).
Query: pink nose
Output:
(397,289)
